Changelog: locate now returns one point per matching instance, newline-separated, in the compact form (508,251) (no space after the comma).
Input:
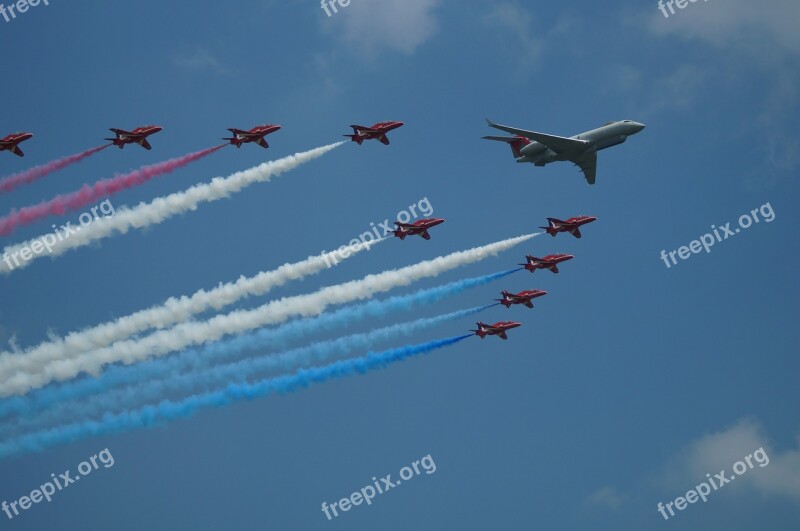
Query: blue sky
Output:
(626,384)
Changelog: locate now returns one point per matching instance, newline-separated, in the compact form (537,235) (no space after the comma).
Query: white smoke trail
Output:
(161,208)
(193,333)
(172,311)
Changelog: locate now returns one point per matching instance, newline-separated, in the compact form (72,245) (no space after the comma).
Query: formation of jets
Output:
(532,263)
(240,136)
(542,148)
(11,143)
(533,147)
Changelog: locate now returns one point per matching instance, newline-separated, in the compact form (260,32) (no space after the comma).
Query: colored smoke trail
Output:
(172,311)
(169,410)
(162,208)
(239,371)
(28,176)
(63,203)
(163,342)
(193,359)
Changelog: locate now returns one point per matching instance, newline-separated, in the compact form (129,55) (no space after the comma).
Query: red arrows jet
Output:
(137,136)
(548,262)
(418,227)
(572,225)
(10,142)
(523,297)
(379,130)
(497,329)
(255,135)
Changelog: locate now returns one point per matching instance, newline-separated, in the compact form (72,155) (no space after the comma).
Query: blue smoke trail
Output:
(168,410)
(219,375)
(274,337)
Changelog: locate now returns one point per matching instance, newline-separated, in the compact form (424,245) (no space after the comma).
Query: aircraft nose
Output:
(639,126)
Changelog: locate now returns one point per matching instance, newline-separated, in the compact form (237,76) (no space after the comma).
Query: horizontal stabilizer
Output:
(507,139)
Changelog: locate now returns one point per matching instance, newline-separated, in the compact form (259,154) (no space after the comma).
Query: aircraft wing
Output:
(587,162)
(145,144)
(17,151)
(425,235)
(362,128)
(119,131)
(559,144)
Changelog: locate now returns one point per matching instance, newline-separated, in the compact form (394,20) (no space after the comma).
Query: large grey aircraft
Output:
(581,149)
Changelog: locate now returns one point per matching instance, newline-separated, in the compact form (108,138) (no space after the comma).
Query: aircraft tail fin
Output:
(479,332)
(516,143)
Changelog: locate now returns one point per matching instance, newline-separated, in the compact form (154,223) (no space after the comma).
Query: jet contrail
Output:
(88,194)
(168,410)
(187,334)
(219,375)
(172,311)
(28,176)
(193,359)
(162,208)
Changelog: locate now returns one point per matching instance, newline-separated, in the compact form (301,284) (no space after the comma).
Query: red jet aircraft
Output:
(10,142)
(255,135)
(418,227)
(548,262)
(137,136)
(497,329)
(572,225)
(523,297)
(379,130)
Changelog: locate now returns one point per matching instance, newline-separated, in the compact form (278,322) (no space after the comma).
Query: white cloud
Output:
(718,451)
(742,24)
(399,25)
(608,497)
(754,40)
(516,22)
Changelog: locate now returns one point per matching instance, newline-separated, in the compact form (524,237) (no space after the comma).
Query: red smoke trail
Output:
(28,176)
(88,194)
